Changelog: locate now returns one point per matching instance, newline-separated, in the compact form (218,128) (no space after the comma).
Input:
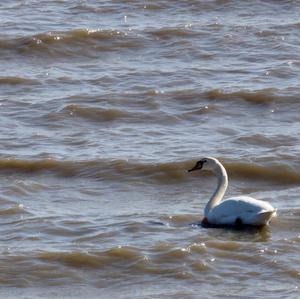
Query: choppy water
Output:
(104,106)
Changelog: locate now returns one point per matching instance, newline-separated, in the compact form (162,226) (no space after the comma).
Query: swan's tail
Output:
(264,218)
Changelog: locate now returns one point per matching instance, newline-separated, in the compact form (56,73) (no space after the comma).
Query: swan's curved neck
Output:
(221,188)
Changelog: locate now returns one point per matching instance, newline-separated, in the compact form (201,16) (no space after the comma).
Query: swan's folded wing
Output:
(247,209)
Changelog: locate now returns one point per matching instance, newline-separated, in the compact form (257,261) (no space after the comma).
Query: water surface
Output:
(104,106)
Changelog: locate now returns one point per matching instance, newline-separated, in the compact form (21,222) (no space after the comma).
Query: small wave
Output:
(110,170)
(17,81)
(271,142)
(173,32)
(28,165)
(74,42)
(156,6)
(85,8)
(130,258)
(267,33)
(278,173)
(198,111)
(265,96)
(160,173)
(12,210)
(287,26)
(193,97)
(121,255)
(96,114)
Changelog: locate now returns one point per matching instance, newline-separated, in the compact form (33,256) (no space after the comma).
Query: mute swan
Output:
(236,211)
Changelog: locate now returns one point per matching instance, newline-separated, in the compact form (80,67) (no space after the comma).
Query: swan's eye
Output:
(200,163)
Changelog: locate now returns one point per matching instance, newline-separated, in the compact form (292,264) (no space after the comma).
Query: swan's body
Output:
(242,210)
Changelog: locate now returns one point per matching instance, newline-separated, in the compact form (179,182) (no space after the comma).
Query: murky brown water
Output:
(105,105)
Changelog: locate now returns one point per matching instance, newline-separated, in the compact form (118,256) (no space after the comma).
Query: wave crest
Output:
(160,173)
(80,42)
(125,255)
(264,96)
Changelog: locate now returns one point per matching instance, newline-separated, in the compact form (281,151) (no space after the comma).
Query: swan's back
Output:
(243,210)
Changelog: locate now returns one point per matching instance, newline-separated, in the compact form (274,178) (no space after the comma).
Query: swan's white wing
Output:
(249,211)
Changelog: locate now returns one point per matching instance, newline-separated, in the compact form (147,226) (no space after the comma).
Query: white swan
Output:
(236,211)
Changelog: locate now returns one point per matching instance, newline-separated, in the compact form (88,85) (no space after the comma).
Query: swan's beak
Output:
(196,167)
(192,169)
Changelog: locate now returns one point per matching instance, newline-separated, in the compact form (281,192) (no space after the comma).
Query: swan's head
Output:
(206,164)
